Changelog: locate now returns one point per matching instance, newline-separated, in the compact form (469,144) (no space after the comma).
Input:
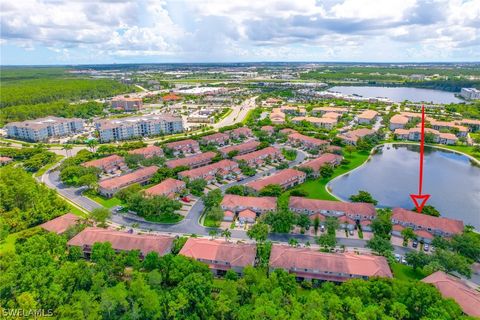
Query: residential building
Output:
(258,205)
(109,187)
(43,129)
(220,256)
(216,138)
(352,137)
(348,213)
(127,104)
(367,116)
(292,110)
(242,148)
(224,168)
(187,146)
(323,110)
(257,158)
(239,133)
(61,224)
(398,122)
(332,115)
(464,293)
(415,134)
(136,127)
(425,226)
(446,125)
(300,140)
(472,124)
(327,123)
(470,93)
(268,129)
(148,152)
(122,241)
(168,188)
(5,160)
(108,164)
(247,216)
(286,178)
(326,158)
(288,131)
(277,116)
(228,216)
(194,161)
(313,265)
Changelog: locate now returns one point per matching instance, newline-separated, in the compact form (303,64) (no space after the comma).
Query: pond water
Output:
(400,94)
(391,175)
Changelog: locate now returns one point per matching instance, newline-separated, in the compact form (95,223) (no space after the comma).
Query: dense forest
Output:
(42,274)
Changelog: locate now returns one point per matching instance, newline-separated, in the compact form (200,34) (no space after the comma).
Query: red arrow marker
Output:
(420,200)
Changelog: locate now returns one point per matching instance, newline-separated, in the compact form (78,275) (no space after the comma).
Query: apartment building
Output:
(224,168)
(292,110)
(367,116)
(299,140)
(239,133)
(324,159)
(168,188)
(258,205)
(312,265)
(415,134)
(136,127)
(323,110)
(277,116)
(242,148)
(216,138)
(327,123)
(351,137)
(43,129)
(108,164)
(61,224)
(148,152)
(109,187)
(187,146)
(127,104)
(194,161)
(470,93)
(398,122)
(286,178)
(257,158)
(447,125)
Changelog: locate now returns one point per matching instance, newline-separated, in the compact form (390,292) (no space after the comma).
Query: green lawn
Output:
(106,202)
(403,272)
(465,149)
(167,219)
(316,188)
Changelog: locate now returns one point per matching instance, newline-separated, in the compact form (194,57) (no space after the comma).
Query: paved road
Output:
(238,114)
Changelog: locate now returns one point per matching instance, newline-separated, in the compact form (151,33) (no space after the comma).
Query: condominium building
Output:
(135,127)
(44,128)
(286,178)
(127,104)
(470,93)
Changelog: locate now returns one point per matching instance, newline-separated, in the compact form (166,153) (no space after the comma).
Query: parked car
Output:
(415,244)
(426,247)
(186,199)
(404,261)
(398,257)
(322,228)
(350,232)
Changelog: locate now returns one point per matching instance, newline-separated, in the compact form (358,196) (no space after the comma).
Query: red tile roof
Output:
(368,114)
(123,241)
(166,187)
(444,224)
(171,97)
(235,254)
(279,178)
(247,213)
(240,131)
(61,224)
(232,201)
(317,262)
(451,287)
(148,151)
(216,136)
(5,159)
(288,131)
(198,172)
(354,135)
(228,213)
(100,163)
(423,234)
(191,160)
(306,139)
(364,209)
(267,128)
(399,119)
(250,145)
(182,143)
(129,178)
(319,162)
(259,154)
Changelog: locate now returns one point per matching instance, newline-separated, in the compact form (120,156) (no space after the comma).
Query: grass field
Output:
(403,272)
(106,202)
(316,188)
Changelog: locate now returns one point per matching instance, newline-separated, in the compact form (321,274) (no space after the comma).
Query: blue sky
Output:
(123,31)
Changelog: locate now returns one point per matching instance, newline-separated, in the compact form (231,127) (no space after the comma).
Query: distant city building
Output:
(43,129)
(135,127)
(127,104)
(470,93)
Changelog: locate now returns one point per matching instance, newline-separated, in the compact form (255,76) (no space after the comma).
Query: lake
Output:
(391,175)
(400,94)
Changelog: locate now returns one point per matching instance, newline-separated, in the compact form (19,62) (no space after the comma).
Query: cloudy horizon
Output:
(35,32)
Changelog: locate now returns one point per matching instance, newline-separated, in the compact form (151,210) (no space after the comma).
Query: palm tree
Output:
(213,233)
(227,234)
(67,147)
(92,144)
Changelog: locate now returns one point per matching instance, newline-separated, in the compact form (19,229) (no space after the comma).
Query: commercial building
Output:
(367,116)
(326,158)
(220,256)
(466,295)
(424,226)
(257,158)
(187,146)
(122,241)
(43,129)
(135,127)
(286,178)
(299,140)
(168,188)
(109,187)
(242,148)
(194,161)
(108,164)
(313,265)
(148,152)
(258,205)
(224,168)
(127,104)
